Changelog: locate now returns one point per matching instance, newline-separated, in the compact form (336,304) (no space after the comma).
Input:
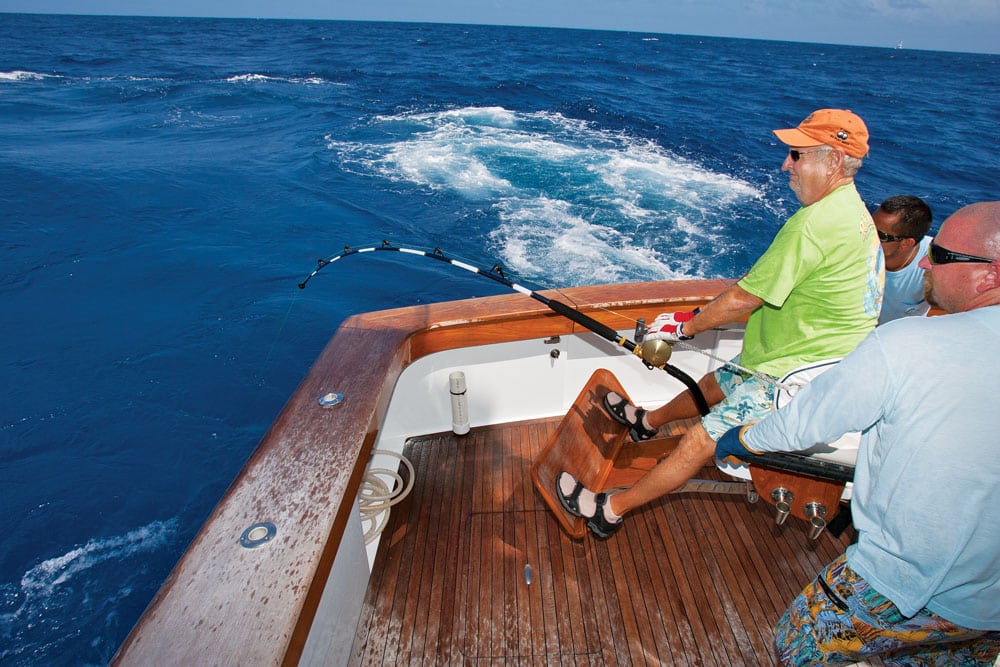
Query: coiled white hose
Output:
(376,496)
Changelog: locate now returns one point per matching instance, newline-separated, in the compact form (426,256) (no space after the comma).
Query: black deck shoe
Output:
(598,524)
(615,405)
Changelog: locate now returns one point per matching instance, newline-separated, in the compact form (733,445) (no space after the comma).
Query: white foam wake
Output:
(573,203)
(21,75)
(45,577)
(264,78)
(62,582)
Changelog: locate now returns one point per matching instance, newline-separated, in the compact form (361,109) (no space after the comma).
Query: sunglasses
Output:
(796,155)
(938,255)
(886,238)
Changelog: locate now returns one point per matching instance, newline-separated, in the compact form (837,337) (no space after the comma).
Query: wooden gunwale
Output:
(225,604)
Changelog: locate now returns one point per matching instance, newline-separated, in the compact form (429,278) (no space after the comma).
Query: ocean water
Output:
(166,183)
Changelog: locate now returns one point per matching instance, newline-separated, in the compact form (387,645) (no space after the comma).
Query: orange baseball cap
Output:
(839,128)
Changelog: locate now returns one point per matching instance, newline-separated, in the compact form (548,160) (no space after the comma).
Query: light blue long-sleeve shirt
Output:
(925,392)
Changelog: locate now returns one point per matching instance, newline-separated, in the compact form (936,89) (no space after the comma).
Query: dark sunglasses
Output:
(796,155)
(885,238)
(938,255)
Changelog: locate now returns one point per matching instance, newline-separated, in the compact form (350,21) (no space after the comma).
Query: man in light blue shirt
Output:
(922,583)
(902,223)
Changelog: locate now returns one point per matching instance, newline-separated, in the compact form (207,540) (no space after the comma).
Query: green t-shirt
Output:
(821,281)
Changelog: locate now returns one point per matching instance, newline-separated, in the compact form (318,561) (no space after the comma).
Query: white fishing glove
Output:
(670,326)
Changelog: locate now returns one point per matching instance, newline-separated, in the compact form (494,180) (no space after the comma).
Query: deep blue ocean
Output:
(166,183)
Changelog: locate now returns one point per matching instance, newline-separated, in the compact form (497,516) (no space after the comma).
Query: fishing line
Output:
(654,354)
(382,500)
(729,363)
(277,336)
(497,274)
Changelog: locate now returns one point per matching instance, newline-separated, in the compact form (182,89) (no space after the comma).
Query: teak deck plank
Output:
(693,579)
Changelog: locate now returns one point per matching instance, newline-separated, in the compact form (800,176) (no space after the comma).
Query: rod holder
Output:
(459,403)
(816,515)
(782,499)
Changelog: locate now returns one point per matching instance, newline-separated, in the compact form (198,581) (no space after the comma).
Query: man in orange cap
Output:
(812,296)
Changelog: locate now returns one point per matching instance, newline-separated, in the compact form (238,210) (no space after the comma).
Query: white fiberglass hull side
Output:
(526,380)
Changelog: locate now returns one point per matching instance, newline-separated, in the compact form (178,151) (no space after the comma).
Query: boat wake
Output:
(70,583)
(264,78)
(22,75)
(566,198)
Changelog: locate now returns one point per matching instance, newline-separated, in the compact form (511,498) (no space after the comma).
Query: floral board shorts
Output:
(840,619)
(748,399)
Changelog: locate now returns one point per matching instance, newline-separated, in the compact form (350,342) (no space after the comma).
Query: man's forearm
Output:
(732,305)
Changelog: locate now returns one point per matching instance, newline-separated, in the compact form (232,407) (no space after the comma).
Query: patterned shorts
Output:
(840,619)
(748,399)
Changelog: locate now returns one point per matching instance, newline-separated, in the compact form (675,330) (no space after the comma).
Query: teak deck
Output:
(694,579)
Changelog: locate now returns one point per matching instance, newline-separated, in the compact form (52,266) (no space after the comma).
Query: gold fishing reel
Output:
(656,353)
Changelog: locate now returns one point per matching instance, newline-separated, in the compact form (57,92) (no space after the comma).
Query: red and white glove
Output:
(670,326)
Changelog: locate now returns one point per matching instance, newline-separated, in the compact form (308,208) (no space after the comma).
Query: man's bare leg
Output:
(695,449)
(683,406)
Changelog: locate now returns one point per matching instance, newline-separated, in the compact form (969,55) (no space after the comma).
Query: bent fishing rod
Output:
(654,353)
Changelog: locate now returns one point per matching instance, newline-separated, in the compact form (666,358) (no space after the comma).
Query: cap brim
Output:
(796,137)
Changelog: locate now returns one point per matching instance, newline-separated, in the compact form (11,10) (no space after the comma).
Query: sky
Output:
(941,25)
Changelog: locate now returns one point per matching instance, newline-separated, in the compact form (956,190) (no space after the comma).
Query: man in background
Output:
(902,223)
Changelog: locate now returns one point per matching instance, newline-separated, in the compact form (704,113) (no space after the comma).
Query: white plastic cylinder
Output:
(459,403)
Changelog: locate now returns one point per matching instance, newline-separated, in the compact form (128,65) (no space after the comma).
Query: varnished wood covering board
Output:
(690,580)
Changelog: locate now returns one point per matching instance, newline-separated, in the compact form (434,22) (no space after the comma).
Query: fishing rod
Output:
(654,353)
